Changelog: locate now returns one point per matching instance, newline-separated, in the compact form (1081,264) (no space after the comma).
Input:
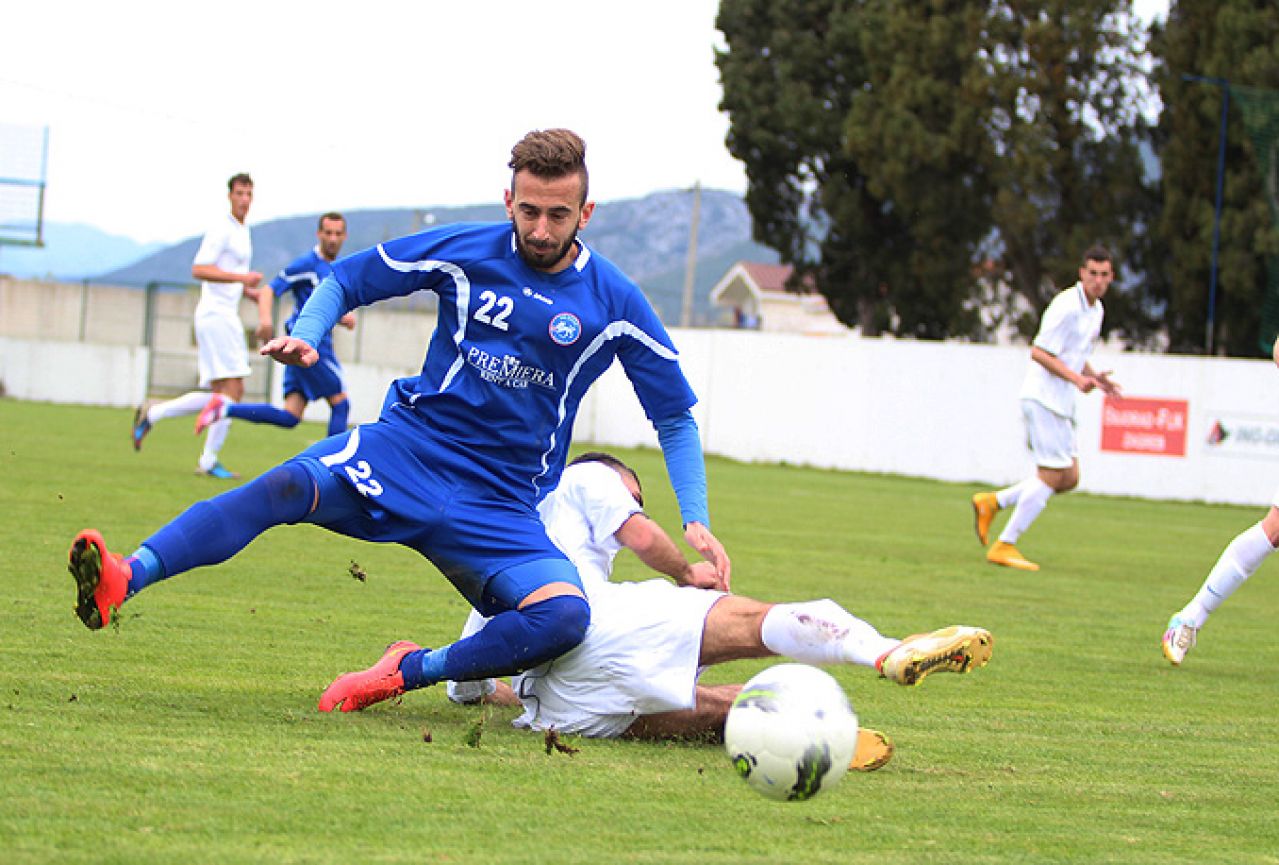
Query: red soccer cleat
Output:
(101,577)
(351,692)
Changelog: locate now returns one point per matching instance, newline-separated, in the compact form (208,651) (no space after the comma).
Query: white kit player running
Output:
(1238,561)
(1059,368)
(222,266)
(636,672)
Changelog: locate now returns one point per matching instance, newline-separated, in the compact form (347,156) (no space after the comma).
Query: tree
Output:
(892,148)
(1236,40)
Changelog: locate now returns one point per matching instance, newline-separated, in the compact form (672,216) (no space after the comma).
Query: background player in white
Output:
(222,266)
(636,672)
(1059,368)
(528,317)
(1239,561)
(302,385)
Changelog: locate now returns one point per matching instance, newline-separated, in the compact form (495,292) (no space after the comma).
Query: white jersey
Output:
(228,246)
(1068,331)
(583,513)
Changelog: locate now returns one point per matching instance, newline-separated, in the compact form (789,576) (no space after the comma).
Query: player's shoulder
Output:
(308,261)
(458,242)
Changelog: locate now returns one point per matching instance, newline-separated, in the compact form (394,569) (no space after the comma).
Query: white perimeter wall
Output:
(946,411)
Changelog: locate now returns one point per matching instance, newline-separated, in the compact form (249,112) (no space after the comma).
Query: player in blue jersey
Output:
(455,465)
(302,385)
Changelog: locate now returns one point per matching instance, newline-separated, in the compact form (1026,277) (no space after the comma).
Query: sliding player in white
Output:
(635,674)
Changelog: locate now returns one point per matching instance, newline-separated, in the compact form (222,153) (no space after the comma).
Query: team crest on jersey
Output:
(565,328)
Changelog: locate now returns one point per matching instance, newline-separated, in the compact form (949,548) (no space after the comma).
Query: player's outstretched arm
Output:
(291,351)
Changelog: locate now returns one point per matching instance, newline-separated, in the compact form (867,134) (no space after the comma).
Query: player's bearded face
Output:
(546,215)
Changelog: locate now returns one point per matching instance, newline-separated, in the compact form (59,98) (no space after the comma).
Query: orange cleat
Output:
(352,692)
(985,506)
(874,749)
(101,577)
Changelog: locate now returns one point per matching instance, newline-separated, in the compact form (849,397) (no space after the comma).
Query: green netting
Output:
(1260,109)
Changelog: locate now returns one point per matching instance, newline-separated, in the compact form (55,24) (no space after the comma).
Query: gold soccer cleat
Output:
(1009,556)
(956,649)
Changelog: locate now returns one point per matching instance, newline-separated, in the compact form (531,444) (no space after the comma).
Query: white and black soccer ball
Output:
(791,732)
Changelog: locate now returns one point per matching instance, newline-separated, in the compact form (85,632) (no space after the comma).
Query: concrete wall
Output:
(939,410)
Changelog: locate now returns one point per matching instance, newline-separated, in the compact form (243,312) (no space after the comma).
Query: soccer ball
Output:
(791,732)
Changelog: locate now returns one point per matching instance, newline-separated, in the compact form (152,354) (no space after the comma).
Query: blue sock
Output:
(260,412)
(337,417)
(510,643)
(214,530)
(145,568)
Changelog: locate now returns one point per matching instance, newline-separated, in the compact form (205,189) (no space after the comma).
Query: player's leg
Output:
(1239,561)
(150,413)
(1052,441)
(705,720)
(812,632)
(206,533)
(224,390)
(224,364)
(540,612)
(326,381)
(339,413)
(220,408)
(823,632)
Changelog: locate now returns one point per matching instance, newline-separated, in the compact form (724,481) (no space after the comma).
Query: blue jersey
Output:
(513,352)
(301,276)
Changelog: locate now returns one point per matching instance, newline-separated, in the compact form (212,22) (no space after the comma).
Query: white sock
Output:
(188,403)
(1238,562)
(1030,503)
(213,441)
(1009,496)
(822,632)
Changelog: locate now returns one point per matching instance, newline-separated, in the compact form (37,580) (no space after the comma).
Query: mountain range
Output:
(646,237)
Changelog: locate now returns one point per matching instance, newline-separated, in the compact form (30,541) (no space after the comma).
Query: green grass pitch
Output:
(190,734)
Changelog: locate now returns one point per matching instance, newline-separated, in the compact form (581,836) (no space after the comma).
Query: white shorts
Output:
(1050,437)
(639,657)
(221,350)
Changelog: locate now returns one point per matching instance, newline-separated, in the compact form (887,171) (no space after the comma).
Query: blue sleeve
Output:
(682,450)
(326,305)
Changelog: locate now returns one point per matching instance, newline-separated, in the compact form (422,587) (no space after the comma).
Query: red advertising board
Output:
(1144,426)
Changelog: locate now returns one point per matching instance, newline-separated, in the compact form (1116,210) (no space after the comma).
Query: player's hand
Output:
(1086,383)
(290,351)
(251,279)
(348,321)
(700,538)
(1108,387)
(265,330)
(702,575)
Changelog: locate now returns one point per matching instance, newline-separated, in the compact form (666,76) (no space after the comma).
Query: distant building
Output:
(754,296)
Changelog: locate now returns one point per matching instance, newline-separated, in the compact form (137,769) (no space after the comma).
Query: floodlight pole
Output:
(1224,84)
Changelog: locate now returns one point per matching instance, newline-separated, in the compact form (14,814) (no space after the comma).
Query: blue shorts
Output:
(316,382)
(382,482)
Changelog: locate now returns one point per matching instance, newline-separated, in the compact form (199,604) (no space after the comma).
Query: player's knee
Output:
(287,491)
(560,624)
